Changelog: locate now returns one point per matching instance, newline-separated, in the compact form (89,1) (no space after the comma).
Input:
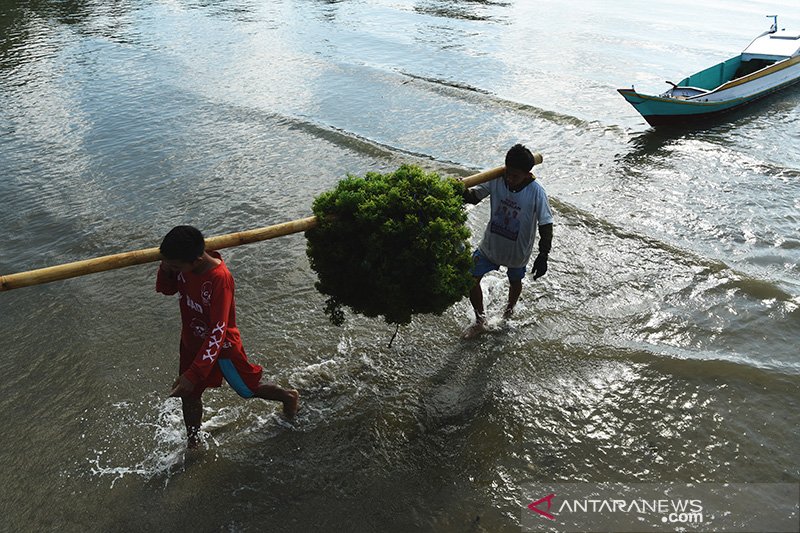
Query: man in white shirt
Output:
(518,205)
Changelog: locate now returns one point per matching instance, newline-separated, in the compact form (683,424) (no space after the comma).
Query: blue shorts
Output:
(234,378)
(482,265)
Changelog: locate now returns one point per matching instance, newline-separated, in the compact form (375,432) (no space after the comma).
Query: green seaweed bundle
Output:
(391,245)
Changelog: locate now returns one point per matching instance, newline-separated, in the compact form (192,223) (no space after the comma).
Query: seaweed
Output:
(391,245)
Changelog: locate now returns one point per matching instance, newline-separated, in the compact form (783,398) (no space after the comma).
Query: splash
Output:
(150,449)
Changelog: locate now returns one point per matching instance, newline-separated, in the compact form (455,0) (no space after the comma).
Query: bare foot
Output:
(193,438)
(291,404)
(508,313)
(474,330)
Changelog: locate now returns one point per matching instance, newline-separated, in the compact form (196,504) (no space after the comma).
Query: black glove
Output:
(545,243)
(539,265)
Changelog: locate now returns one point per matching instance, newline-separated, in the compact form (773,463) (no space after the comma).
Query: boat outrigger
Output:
(769,63)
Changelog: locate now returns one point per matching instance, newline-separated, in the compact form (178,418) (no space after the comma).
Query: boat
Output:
(771,62)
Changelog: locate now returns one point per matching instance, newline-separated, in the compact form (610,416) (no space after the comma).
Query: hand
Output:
(169,269)
(181,387)
(539,266)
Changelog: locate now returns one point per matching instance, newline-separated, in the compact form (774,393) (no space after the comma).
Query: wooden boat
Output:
(769,63)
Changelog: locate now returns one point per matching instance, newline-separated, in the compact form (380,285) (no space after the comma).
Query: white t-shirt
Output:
(508,239)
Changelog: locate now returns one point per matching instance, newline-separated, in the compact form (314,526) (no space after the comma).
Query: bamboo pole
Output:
(482,177)
(148,255)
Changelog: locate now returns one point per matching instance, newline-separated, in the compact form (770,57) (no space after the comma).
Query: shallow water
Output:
(660,347)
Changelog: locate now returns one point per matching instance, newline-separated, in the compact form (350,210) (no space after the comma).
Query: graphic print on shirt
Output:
(214,342)
(505,219)
(194,306)
(199,328)
(205,293)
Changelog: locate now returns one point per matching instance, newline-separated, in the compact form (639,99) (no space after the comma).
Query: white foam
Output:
(160,459)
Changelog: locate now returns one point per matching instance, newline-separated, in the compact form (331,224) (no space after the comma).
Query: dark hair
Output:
(183,243)
(520,158)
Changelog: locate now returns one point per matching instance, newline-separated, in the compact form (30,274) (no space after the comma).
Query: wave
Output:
(753,286)
(465,92)
(709,364)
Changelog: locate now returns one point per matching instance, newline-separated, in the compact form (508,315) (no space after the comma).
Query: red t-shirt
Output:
(208,314)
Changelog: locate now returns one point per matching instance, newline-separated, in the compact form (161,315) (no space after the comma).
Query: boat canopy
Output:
(773,46)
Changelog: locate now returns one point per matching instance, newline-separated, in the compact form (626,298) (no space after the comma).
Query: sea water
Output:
(661,346)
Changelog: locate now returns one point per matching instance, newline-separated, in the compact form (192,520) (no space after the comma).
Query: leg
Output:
(289,397)
(476,299)
(514,290)
(481,265)
(244,378)
(192,417)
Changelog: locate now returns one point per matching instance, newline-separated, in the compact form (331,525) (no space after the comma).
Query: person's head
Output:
(519,162)
(519,157)
(182,248)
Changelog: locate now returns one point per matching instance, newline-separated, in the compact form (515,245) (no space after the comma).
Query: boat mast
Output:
(774,26)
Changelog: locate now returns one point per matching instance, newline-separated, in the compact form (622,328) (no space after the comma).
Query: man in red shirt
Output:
(211,347)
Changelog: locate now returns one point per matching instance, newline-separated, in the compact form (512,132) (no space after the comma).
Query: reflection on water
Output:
(660,346)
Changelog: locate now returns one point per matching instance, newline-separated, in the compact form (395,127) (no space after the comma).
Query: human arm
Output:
(545,244)
(474,195)
(166,280)
(470,197)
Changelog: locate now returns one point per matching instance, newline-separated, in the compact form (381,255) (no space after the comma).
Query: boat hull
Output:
(661,110)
